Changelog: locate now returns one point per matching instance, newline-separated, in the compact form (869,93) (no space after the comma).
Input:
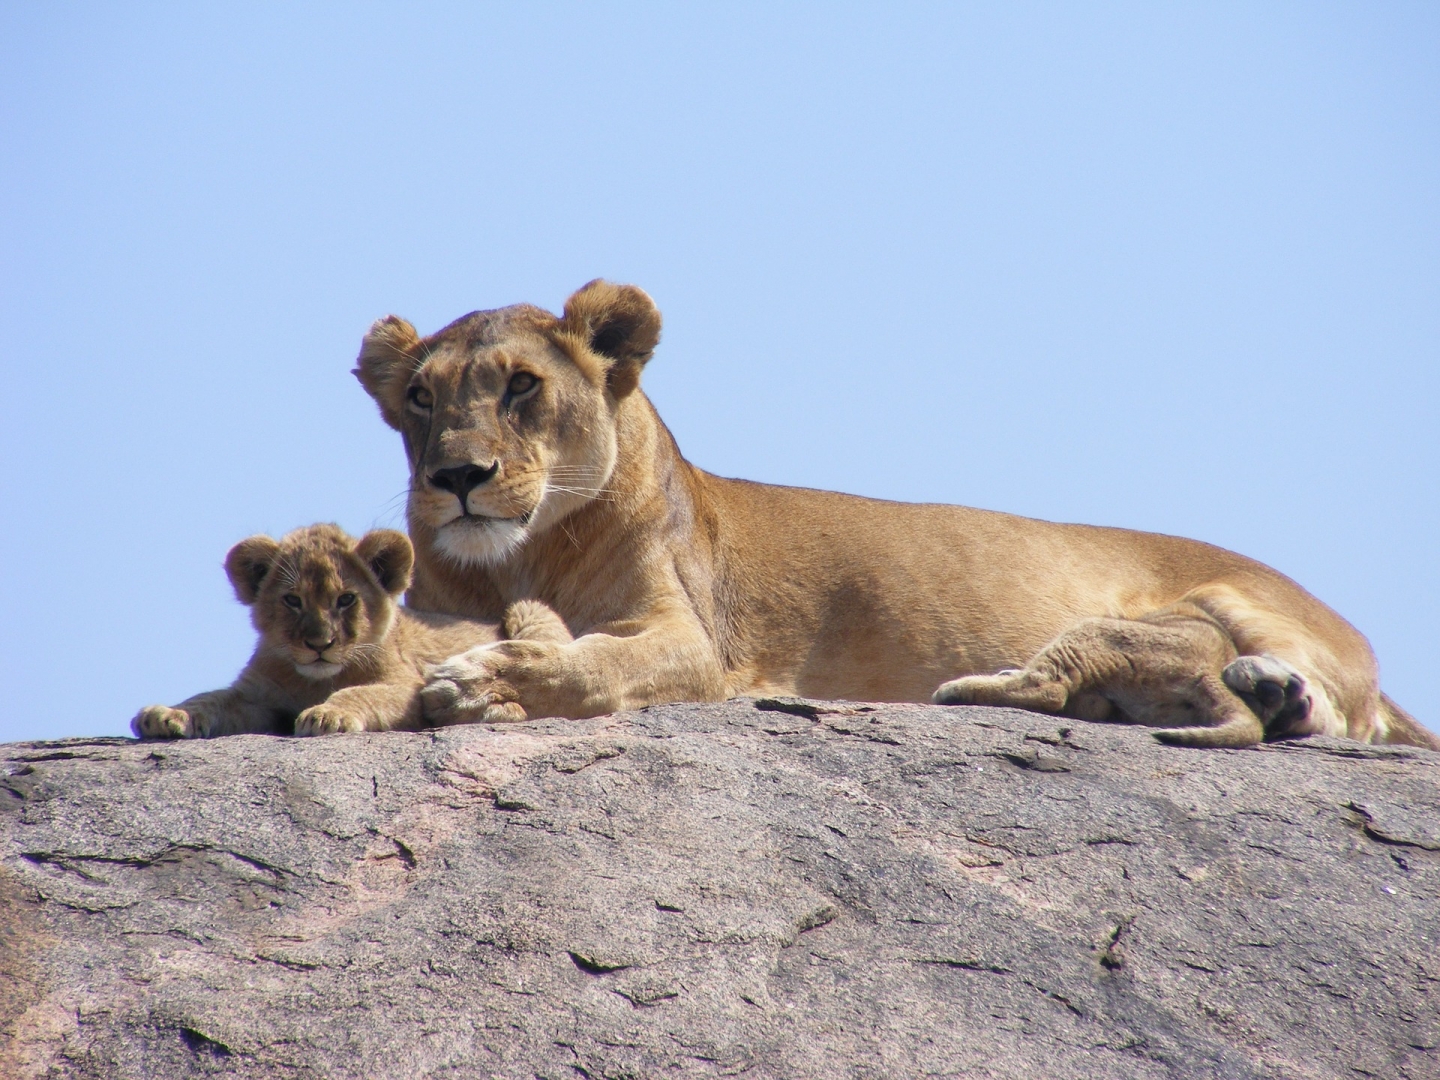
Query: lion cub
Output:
(336,652)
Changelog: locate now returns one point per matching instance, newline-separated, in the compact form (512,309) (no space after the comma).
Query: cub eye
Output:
(293,602)
(521,383)
(345,599)
(420,397)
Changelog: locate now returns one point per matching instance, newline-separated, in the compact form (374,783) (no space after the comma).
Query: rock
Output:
(770,888)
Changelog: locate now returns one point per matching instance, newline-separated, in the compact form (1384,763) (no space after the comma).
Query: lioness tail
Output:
(1403,728)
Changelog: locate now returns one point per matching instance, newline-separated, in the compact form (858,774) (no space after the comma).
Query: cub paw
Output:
(326,720)
(162,722)
(1276,693)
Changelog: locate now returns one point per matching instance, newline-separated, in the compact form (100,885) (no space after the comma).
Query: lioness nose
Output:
(462,479)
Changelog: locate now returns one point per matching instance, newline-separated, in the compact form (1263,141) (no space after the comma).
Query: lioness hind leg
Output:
(1232,723)
(1162,669)
(1068,676)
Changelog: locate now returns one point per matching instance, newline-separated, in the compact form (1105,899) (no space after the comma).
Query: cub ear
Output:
(619,323)
(246,565)
(386,362)
(390,558)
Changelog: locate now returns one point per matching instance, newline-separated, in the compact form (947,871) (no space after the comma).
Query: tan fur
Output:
(540,471)
(347,657)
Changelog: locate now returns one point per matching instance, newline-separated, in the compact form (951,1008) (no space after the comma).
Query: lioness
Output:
(336,652)
(539,470)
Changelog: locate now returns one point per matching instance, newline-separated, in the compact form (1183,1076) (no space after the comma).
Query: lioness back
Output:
(900,596)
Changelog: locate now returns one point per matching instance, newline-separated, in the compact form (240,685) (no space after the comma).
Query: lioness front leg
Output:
(1163,670)
(231,711)
(596,674)
(377,707)
(1036,687)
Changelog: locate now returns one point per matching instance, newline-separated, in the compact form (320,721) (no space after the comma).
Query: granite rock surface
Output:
(777,888)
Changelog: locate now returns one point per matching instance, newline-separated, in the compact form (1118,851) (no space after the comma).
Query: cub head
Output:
(509,416)
(318,598)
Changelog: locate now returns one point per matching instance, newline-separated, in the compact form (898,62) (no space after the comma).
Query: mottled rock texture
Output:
(768,889)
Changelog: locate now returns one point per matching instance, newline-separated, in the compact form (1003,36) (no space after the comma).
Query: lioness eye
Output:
(292,601)
(420,397)
(522,382)
(345,599)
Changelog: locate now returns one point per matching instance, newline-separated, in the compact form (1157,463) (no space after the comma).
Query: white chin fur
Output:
(483,541)
(319,670)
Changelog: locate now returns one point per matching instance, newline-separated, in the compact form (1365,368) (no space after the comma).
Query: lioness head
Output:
(509,415)
(319,598)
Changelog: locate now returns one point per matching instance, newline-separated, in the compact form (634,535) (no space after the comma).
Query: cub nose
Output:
(462,479)
(318,646)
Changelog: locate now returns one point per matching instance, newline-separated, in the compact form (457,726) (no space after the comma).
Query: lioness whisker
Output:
(597,494)
(576,481)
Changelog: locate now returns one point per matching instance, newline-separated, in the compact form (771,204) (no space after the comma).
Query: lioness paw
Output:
(468,701)
(441,699)
(499,683)
(530,620)
(1276,693)
(503,712)
(326,720)
(162,722)
(1012,688)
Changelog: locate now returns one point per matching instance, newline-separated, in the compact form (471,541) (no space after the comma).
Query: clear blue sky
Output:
(1166,266)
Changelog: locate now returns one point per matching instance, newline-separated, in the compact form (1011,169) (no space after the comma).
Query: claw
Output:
(438,700)
(162,722)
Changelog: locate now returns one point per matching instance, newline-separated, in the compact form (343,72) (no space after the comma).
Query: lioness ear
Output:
(619,323)
(386,362)
(390,558)
(246,565)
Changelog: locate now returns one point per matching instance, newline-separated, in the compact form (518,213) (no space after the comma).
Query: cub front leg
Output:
(379,707)
(231,711)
